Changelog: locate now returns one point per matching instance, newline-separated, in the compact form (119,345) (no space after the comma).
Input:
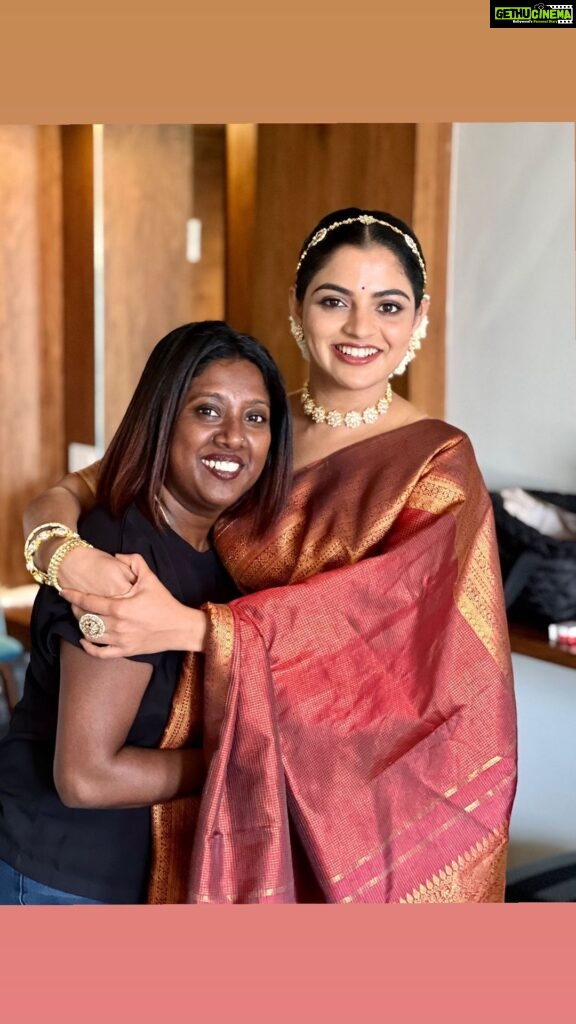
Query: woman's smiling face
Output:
(220,441)
(358,314)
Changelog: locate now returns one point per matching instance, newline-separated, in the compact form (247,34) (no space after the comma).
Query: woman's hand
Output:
(145,620)
(95,572)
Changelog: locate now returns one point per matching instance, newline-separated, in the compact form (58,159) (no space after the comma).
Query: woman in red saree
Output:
(357,702)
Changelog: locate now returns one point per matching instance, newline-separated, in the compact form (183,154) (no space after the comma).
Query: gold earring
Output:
(298,335)
(414,344)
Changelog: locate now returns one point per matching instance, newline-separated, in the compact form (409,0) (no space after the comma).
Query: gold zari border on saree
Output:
(476,876)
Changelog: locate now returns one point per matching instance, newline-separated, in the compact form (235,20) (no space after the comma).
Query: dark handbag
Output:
(539,572)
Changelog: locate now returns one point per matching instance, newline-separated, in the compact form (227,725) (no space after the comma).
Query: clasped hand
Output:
(142,620)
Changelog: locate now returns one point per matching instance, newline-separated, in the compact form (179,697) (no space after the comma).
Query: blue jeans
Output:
(16,888)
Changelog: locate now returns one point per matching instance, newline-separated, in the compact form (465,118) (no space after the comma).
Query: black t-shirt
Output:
(101,854)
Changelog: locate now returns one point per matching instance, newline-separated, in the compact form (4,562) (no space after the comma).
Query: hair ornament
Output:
(364,218)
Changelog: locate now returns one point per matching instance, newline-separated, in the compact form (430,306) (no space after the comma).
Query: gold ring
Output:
(92,626)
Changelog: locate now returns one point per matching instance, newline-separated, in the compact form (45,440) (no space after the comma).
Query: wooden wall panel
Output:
(31,345)
(209,174)
(148,283)
(78,252)
(427,375)
(242,183)
(303,172)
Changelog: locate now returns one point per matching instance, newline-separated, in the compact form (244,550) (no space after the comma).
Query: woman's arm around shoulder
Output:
(84,569)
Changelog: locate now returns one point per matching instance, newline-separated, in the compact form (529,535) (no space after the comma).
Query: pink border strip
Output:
(359,963)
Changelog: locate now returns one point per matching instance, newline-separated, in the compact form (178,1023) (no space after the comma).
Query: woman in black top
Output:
(207,430)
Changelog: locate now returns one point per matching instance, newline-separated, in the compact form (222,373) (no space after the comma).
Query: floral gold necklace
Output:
(350,419)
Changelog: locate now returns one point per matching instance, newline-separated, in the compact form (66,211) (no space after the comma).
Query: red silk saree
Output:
(358,710)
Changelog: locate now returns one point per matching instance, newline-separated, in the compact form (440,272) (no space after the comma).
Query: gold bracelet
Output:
(60,554)
(33,539)
(36,537)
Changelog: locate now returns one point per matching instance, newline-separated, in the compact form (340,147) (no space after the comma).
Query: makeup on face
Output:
(219,445)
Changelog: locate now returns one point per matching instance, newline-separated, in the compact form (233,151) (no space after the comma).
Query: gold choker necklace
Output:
(351,419)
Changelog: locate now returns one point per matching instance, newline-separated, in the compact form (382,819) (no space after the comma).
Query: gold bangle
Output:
(60,554)
(36,537)
(44,526)
(33,541)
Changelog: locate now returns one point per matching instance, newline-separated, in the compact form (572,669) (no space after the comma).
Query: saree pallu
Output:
(359,715)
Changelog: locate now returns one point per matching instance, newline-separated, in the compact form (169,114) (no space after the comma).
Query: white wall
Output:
(511,384)
(512,338)
(544,816)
